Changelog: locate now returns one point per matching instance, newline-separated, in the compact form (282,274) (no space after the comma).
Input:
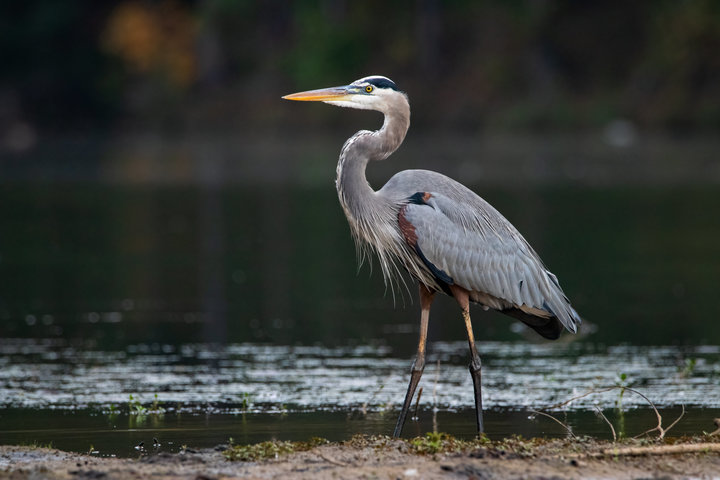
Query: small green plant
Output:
(432,442)
(135,407)
(112,412)
(245,403)
(623,384)
(688,368)
(36,444)
(156,408)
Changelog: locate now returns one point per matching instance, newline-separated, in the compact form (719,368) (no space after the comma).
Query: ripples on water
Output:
(272,378)
(74,397)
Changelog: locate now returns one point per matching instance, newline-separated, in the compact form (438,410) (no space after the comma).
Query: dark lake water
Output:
(238,312)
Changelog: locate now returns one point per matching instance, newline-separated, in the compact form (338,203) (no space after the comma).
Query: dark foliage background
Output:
(189,65)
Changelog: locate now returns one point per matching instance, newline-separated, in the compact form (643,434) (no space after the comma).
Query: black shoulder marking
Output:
(439,274)
(382,82)
(420,198)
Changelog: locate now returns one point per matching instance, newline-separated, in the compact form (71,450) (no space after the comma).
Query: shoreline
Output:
(432,456)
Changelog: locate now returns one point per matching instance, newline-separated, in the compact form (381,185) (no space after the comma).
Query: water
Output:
(241,309)
(122,265)
(202,395)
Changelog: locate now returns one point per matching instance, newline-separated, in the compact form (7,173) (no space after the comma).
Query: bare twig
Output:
(569,430)
(332,460)
(657,414)
(658,428)
(716,421)
(591,392)
(682,414)
(612,429)
(652,450)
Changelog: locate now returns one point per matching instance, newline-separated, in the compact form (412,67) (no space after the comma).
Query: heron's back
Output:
(464,240)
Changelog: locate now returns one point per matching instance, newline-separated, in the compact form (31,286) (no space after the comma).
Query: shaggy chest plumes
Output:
(373,217)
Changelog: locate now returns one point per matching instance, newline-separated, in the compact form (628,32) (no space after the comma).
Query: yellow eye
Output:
(369,88)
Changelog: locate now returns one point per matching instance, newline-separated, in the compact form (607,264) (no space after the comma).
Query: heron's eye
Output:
(369,88)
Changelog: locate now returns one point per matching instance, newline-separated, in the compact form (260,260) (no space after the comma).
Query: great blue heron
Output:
(442,233)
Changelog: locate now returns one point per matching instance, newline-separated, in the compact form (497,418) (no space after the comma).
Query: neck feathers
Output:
(372,217)
(366,146)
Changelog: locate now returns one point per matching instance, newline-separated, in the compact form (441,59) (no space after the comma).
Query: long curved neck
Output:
(355,194)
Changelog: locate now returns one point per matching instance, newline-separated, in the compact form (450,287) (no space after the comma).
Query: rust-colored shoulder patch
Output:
(407,228)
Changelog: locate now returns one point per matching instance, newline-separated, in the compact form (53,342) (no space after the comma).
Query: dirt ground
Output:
(387,459)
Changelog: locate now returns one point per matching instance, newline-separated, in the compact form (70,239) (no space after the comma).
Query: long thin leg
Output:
(463,299)
(426,298)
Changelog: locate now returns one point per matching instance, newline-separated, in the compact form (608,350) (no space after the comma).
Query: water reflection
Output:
(120,265)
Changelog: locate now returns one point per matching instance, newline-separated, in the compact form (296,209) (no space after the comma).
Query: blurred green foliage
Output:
(497,64)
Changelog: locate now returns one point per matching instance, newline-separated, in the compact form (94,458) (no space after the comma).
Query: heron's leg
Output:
(463,298)
(426,298)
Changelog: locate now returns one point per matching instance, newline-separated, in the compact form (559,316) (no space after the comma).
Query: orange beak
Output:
(321,95)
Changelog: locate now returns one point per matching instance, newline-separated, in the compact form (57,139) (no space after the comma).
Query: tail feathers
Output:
(558,305)
(563,312)
(548,327)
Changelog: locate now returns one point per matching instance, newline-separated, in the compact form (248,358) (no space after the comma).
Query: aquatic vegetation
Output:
(156,408)
(135,407)
(245,404)
(269,449)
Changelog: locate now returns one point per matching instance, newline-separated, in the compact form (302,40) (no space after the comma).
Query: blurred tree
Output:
(156,42)
(498,64)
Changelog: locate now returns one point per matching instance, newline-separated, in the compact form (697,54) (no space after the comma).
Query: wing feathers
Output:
(478,249)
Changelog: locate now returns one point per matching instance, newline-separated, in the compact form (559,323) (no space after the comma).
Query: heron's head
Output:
(370,93)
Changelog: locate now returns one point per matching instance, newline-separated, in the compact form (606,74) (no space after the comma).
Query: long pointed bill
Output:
(321,95)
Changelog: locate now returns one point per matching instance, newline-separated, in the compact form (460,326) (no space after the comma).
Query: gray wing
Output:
(463,239)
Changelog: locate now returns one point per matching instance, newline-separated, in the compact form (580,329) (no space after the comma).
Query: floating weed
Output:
(268,450)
